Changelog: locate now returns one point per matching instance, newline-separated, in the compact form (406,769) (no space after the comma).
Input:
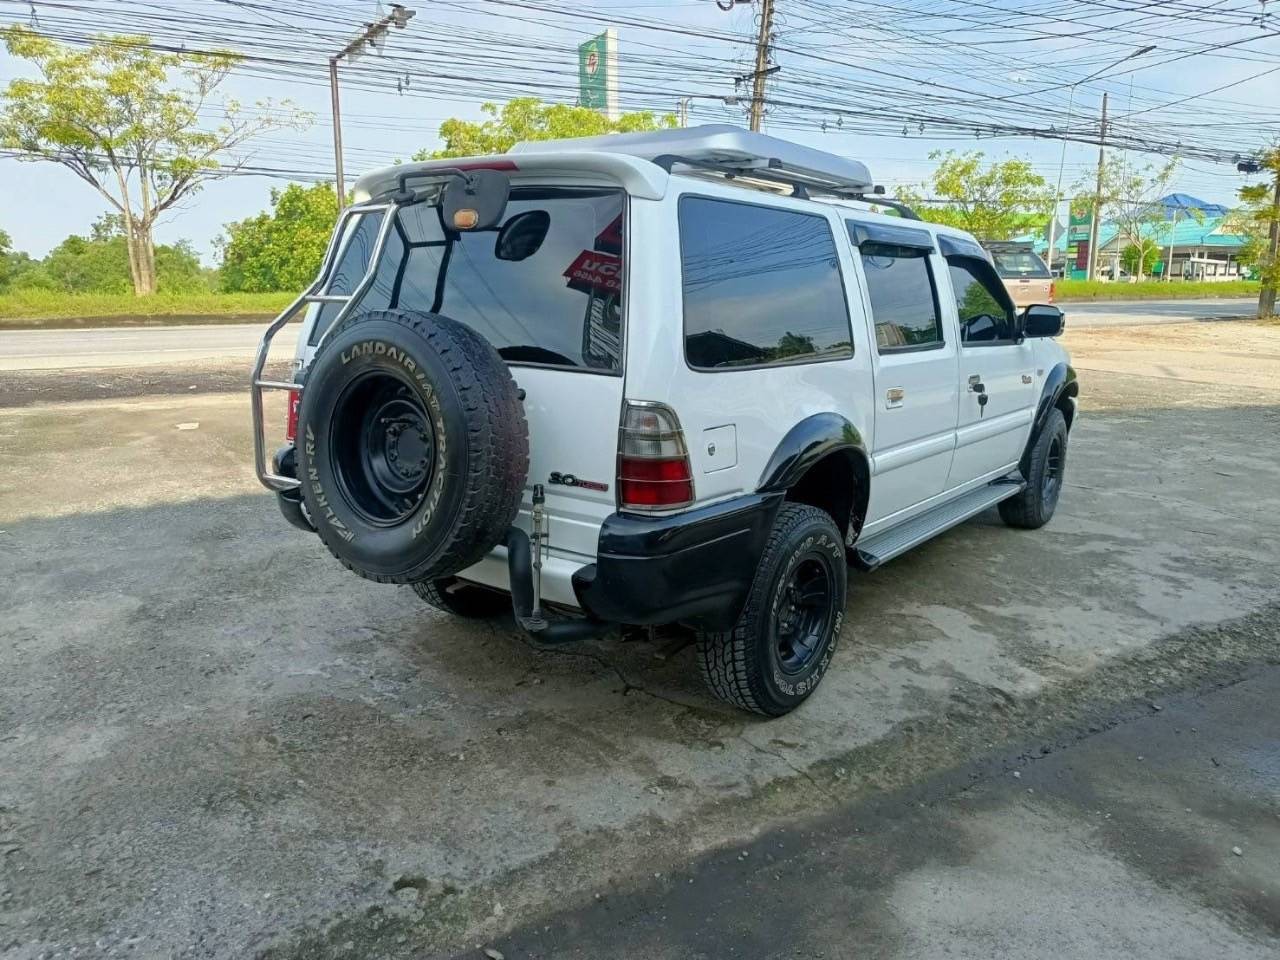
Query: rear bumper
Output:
(697,565)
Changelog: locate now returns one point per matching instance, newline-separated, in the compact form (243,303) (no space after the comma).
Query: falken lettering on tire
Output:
(322,500)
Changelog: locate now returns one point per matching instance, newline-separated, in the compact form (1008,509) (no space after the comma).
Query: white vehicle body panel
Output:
(926,437)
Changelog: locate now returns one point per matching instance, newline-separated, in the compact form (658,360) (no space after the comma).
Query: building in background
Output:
(1196,234)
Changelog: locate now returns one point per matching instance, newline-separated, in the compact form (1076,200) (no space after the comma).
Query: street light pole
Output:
(1062,160)
(369,37)
(1057,192)
(1097,195)
(340,180)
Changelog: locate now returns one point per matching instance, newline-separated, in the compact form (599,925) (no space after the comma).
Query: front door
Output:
(996,374)
(915,377)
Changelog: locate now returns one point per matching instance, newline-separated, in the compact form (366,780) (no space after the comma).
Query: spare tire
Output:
(412,445)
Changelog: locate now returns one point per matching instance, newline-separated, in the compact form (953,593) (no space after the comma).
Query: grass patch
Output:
(42,308)
(1068,290)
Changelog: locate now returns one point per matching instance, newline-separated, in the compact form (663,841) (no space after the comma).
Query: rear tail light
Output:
(654,472)
(1052,287)
(291,424)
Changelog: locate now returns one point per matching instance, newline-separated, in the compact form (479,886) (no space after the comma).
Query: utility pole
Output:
(1097,195)
(1062,160)
(682,111)
(1267,295)
(762,64)
(372,36)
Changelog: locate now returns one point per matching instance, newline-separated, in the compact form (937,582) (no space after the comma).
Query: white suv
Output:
(676,377)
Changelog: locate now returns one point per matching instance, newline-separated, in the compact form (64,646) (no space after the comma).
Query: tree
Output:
(1258,221)
(1131,200)
(99,263)
(1138,260)
(992,201)
(13,265)
(280,249)
(527,118)
(126,119)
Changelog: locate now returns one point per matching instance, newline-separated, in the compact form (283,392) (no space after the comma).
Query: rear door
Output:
(914,368)
(997,374)
(547,291)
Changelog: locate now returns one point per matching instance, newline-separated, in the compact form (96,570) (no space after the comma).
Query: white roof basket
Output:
(731,151)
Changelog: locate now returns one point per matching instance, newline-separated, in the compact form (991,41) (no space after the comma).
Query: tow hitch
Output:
(524,568)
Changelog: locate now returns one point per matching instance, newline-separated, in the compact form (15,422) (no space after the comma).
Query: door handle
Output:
(976,385)
(893,397)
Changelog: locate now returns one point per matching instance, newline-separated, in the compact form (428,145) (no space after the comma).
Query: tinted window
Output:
(761,285)
(558,303)
(986,315)
(354,251)
(904,303)
(1020,265)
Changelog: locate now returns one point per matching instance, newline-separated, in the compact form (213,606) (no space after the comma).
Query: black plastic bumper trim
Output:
(697,565)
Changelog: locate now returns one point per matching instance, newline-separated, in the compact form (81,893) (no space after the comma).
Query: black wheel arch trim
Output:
(809,443)
(1060,382)
(812,439)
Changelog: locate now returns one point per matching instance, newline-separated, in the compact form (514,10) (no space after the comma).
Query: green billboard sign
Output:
(593,88)
(598,74)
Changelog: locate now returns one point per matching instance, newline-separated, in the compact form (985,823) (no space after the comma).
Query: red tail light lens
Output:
(291,424)
(654,472)
(1052,288)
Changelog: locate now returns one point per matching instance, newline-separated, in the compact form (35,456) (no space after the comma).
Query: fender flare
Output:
(809,442)
(1060,382)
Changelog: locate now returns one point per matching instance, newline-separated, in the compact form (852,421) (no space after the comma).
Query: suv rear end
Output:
(1025,275)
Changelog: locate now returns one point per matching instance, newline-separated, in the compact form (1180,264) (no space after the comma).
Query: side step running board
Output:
(881,547)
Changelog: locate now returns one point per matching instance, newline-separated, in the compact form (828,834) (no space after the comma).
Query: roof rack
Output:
(732,152)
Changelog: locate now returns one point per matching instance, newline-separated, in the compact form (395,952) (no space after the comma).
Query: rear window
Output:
(557,302)
(1022,266)
(762,286)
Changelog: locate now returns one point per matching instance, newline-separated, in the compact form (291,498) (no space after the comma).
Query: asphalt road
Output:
(158,345)
(1149,834)
(131,346)
(1120,313)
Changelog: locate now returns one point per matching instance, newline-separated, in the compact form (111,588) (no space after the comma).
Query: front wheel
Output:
(781,646)
(1034,506)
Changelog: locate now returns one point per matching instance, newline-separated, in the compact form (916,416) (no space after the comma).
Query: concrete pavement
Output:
(215,742)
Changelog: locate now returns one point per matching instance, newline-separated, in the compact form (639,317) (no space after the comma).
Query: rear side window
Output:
(546,290)
(983,306)
(761,286)
(904,299)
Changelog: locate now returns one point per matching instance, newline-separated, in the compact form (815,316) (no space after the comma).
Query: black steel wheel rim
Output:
(803,616)
(382,446)
(1053,467)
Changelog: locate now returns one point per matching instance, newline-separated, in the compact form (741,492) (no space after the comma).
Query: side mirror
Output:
(522,236)
(1042,320)
(475,200)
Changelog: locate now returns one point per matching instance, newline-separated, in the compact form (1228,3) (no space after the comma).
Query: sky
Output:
(890,80)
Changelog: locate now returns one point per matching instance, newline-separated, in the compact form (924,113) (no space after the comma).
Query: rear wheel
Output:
(463,599)
(781,646)
(1034,506)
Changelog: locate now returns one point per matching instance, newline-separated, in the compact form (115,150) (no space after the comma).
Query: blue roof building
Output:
(1203,245)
